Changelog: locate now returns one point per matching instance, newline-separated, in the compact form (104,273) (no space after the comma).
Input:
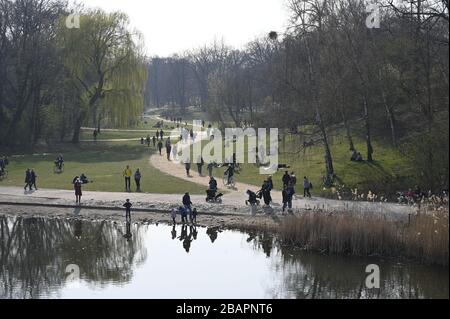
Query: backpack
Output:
(310,185)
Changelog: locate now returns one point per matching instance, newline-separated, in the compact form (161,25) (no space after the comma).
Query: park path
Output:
(237,195)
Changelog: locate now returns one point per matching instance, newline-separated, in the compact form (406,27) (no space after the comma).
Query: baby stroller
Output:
(212,197)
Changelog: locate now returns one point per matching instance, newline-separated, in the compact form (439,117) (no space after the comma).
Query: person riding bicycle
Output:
(59,161)
(230,173)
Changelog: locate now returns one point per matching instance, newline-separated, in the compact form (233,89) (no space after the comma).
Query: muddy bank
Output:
(222,221)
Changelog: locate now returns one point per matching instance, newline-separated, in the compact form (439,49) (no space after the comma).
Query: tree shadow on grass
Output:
(89,153)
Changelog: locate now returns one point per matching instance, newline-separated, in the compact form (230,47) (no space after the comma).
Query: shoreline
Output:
(238,222)
(141,215)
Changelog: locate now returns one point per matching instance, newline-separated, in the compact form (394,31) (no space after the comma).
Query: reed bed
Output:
(423,237)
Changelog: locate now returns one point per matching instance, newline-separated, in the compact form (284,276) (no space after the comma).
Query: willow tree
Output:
(106,64)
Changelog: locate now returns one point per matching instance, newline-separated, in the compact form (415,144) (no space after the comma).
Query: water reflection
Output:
(312,275)
(36,253)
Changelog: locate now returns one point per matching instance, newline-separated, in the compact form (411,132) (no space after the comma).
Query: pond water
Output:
(67,258)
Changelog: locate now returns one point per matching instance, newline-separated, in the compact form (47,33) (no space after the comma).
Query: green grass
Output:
(389,171)
(103,163)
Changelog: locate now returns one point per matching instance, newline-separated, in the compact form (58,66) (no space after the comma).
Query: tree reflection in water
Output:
(300,274)
(34,254)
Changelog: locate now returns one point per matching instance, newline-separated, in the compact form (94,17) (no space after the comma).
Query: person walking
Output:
(157,135)
(33,178)
(270,182)
(160,146)
(148,140)
(187,166)
(168,148)
(27,179)
(200,163)
(286,179)
(194,216)
(183,214)
(137,180)
(288,193)
(154,140)
(265,189)
(252,201)
(187,203)
(127,175)
(293,181)
(127,206)
(306,186)
(77,187)
(210,169)
(161,134)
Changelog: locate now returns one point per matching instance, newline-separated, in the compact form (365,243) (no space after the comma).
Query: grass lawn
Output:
(103,163)
(388,172)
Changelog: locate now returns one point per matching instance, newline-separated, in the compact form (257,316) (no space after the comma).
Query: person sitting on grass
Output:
(59,161)
(359,157)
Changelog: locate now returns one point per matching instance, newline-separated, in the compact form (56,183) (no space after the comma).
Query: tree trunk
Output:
(368,134)
(347,128)
(77,129)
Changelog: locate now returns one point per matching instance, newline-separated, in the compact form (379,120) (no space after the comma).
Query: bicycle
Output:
(229,182)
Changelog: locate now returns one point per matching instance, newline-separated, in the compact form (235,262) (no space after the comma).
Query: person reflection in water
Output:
(187,240)
(194,232)
(212,233)
(174,232)
(128,231)
(78,229)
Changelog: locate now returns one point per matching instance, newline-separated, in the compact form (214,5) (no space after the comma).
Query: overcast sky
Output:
(173,26)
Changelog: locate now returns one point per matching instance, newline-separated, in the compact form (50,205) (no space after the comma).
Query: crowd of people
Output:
(289,181)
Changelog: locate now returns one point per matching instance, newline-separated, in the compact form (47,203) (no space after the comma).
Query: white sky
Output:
(173,26)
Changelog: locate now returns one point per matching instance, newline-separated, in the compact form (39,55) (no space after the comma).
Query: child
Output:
(127,206)
(173,214)
(183,214)
(194,216)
